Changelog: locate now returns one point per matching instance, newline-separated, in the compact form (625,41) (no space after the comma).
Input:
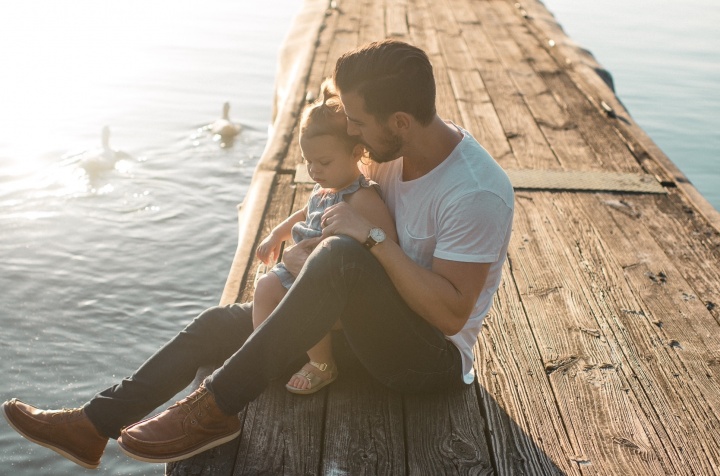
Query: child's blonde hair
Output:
(326,116)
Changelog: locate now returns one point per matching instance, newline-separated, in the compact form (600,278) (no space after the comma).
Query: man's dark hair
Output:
(390,76)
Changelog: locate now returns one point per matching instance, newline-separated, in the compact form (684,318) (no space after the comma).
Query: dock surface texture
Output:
(601,354)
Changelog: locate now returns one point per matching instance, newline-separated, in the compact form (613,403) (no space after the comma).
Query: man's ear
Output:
(400,121)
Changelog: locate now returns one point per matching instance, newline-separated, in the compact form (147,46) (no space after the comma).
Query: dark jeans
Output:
(340,280)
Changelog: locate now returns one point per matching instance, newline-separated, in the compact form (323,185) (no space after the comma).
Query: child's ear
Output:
(358,151)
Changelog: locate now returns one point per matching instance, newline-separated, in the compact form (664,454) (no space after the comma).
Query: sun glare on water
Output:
(67,67)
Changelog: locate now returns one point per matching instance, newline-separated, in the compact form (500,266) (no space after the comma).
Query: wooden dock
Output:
(602,352)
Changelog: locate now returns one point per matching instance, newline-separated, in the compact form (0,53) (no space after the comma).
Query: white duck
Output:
(98,161)
(224,129)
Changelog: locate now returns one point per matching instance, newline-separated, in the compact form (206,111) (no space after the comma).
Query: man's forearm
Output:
(431,295)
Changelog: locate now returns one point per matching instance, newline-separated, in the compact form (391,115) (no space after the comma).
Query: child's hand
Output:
(268,250)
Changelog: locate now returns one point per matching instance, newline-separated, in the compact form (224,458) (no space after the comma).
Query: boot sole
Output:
(178,457)
(47,445)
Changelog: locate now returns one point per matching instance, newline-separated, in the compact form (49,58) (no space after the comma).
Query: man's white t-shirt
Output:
(462,210)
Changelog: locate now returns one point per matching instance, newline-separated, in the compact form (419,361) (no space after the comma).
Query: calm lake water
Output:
(101,266)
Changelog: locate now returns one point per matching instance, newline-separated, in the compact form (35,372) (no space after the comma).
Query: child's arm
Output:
(269,249)
(369,204)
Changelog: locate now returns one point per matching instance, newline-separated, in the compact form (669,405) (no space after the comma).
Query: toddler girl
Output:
(331,156)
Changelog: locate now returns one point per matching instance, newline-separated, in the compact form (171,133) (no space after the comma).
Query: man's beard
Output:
(392,145)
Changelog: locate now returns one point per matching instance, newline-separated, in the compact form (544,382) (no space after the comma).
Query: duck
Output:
(224,129)
(98,161)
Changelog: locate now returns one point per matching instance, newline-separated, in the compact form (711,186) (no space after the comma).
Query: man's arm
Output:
(366,202)
(443,295)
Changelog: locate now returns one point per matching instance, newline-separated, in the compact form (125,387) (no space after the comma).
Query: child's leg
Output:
(320,353)
(268,294)
(269,291)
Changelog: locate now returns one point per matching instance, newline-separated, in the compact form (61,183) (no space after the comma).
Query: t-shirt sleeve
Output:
(474,228)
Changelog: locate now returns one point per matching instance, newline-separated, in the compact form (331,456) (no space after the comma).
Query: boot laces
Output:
(65,414)
(190,402)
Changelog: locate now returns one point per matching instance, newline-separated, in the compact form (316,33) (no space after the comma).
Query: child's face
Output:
(328,161)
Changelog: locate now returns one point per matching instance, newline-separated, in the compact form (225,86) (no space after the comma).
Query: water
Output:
(664,56)
(101,265)
(99,270)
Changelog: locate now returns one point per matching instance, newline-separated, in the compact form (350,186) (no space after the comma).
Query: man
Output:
(410,312)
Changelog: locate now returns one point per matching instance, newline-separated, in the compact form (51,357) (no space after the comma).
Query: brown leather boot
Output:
(68,432)
(191,426)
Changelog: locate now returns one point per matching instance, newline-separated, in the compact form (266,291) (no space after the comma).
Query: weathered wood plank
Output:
(219,461)
(282,433)
(424,36)
(617,310)
(277,210)
(346,34)
(651,366)
(583,369)
(692,244)
(559,129)
(477,112)
(609,149)
(294,155)
(396,24)
(589,76)
(526,431)
(685,337)
(372,22)
(318,69)
(522,132)
(445,434)
(364,428)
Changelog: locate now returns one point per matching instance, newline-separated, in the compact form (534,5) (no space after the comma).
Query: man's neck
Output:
(428,147)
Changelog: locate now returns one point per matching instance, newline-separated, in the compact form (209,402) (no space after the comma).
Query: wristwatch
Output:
(377,235)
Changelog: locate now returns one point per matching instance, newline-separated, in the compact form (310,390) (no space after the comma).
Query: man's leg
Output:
(395,344)
(341,279)
(81,434)
(210,339)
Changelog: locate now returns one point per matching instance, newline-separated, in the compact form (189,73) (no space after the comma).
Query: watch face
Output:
(377,234)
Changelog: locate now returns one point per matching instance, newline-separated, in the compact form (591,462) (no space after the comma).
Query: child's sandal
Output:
(316,383)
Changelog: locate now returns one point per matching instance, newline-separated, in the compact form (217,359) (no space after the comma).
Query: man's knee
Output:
(343,248)
(221,319)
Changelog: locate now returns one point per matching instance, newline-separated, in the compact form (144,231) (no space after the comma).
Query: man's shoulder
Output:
(470,146)
(471,155)
(478,171)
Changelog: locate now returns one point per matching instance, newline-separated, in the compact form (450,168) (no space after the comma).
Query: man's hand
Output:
(343,219)
(294,257)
